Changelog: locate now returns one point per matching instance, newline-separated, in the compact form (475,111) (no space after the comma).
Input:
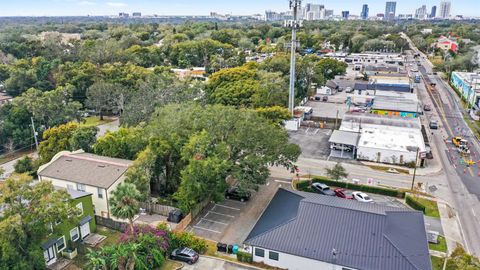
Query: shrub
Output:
(244,257)
(186,239)
(364,188)
(302,185)
(415,204)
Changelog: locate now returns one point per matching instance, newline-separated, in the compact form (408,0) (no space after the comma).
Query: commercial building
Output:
(85,172)
(467,84)
(136,14)
(390,10)
(300,230)
(386,139)
(421,13)
(345,14)
(271,16)
(364,13)
(402,105)
(445,9)
(375,58)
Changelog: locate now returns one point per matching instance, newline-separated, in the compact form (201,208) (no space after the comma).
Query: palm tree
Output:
(124,202)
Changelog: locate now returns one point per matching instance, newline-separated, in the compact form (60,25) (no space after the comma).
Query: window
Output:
(273,255)
(69,186)
(100,193)
(80,206)
(81,187)
(74,234)
(259,252)
(60,243)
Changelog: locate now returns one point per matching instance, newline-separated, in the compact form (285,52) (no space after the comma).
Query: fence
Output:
(110,223)
(157,208)
(191,216)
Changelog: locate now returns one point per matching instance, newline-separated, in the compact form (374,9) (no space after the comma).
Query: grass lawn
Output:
(112,238)
(441,246)
(437,263)
(170,265)
(431,206)
(94,121)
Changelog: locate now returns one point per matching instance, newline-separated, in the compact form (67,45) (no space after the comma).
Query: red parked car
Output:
(342,193)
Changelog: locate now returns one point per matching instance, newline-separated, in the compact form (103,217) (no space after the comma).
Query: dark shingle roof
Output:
(84,168)
(364,236)
(382,87)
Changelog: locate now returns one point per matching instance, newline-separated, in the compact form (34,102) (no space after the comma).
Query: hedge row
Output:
(304,186)
(244,257)
(415,204)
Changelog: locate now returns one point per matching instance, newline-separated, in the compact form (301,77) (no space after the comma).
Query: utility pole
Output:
(34,133)
(294,5)
(415,168)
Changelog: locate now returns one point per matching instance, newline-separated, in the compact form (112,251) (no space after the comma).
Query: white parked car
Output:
(361,197)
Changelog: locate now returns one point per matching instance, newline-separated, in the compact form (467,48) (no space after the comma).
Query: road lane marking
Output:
(473,211)
(281,181)
(214,221)
(213,212)
(233,208)
(205,229)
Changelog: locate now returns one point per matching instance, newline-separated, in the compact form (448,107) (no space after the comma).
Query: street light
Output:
(415,168)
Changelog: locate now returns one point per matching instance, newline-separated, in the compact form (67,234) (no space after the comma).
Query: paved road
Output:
(215,264)
(464,182)
(111,126)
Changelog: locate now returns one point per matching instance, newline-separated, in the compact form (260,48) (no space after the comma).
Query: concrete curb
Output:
(237,263)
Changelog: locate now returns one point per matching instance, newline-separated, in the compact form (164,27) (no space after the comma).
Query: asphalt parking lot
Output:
(231,221)
(216,219)
(313,142)
(215,264)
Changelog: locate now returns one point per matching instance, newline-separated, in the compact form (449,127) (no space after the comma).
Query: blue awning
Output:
(85,220)
(49,243)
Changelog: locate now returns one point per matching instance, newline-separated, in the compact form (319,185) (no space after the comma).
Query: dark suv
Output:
(237,194)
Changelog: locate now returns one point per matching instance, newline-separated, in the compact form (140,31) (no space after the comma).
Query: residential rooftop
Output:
(85,168)
(343,232)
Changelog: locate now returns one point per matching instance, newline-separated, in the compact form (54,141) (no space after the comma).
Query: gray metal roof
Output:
(382,87)
(88,169)
(364,235)
(398,104)
(344,137)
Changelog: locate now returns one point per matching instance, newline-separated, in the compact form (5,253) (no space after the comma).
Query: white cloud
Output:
(117,4)
(86,3)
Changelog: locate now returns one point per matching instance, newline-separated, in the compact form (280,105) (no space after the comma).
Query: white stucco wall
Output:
(370,154)
(292,262)
(100,204)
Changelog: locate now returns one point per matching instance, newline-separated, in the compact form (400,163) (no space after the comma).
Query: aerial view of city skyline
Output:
(191,7)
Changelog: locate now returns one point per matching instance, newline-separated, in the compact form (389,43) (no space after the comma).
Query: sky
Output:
(204,7)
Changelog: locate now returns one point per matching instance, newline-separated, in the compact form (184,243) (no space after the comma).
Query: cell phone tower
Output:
(294,24)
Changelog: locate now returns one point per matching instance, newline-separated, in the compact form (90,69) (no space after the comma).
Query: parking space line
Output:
(230,200)
(205,229)
(213,212)
(281,181)
(209,220)
(233,208)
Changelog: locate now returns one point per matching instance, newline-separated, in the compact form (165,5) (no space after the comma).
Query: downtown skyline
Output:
(192,7)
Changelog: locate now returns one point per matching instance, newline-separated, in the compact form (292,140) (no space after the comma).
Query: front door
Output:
(49,255)
(85,230)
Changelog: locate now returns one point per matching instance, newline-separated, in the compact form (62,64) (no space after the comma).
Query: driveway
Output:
(215,264)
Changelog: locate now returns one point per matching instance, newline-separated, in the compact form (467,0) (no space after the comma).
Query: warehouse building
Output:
(468,86)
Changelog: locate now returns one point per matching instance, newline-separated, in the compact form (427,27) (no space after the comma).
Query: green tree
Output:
(102,97)
(125,202)
(460,260)
(337,172)
(276,114)
(83,138)
(125,143)
(24,165)
(23,227)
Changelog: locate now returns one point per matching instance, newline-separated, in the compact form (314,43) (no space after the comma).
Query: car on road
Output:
(362,197)
(324,98)
(348,90)
(427,107)
(322,189)
(433,124)
(342,193)
(184,254)
(341,147)
(236,193)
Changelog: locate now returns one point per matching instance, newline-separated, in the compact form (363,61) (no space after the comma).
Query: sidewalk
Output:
(430,170)
(450,225)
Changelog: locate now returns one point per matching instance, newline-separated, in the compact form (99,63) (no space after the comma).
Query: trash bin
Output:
(235,249)
(221,247)
(230,249)
(175,216)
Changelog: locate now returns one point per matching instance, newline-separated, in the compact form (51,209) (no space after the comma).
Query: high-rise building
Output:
(433,13)
(328,13)
(445,8)
(345,14)
(390,9)
(421,13)
(313,12)
(136,14)
(364,14)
